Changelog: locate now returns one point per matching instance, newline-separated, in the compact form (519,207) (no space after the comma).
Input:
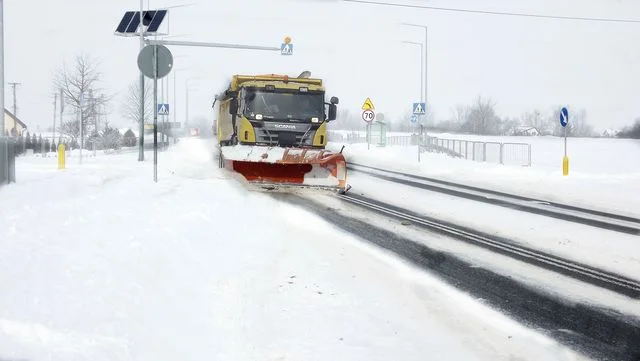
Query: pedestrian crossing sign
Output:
(286,49)
(419,108)
(163,109)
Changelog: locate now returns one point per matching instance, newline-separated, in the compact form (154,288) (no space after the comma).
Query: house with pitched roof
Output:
(12,125)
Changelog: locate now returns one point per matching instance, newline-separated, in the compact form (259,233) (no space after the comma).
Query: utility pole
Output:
(15,108)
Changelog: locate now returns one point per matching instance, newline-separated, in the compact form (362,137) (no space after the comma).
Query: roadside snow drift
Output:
(98,262)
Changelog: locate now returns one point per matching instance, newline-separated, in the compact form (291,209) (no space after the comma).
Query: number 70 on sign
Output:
(368,115)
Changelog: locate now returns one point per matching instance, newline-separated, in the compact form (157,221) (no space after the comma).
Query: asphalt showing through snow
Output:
(598,333)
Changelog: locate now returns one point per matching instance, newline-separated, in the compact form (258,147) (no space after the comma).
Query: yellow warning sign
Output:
(368,105)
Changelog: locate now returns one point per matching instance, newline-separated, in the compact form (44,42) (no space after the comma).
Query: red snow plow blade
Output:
(282,168)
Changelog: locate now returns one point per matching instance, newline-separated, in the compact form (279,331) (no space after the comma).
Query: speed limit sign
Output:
(368,115)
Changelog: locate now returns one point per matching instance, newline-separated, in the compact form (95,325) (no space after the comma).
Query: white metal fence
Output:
(493,152)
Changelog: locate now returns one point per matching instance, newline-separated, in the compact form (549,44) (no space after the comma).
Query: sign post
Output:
(368,115)
(564,121)
(155,61)
(419,110)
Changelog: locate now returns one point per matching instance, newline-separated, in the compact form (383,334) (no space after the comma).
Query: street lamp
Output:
(426,53)
(422,97)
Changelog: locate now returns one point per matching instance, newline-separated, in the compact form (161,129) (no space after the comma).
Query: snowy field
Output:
(98,262)
(604,173)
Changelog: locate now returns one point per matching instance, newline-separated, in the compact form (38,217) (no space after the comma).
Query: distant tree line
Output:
(632,131)
(480,117)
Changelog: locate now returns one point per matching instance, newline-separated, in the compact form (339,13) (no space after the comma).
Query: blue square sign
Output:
(163,109)
(286,49)
(419,108)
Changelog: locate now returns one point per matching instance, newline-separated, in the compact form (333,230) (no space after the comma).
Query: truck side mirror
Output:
(334,100)
(333,112)
(233,106)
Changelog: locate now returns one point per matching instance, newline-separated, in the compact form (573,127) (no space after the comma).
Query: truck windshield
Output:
(284,106)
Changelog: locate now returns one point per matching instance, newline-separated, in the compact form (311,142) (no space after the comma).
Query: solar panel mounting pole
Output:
(155,114)
(142,98)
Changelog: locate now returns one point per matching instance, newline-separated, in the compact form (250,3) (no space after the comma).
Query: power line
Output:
(486,12)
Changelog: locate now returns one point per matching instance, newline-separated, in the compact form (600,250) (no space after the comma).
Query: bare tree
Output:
(482,118)
(71,129)
(509,126)
(460,113)
(79,84)
(130,106)
(579,125)
(537,120)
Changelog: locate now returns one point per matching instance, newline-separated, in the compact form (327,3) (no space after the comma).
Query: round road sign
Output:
(564,117)
(368,115)
(146,61)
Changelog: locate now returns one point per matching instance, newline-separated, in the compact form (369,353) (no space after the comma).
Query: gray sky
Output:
(521,63)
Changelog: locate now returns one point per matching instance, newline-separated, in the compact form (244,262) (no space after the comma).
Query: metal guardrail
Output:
(350,138)
(493,152)
(7,160)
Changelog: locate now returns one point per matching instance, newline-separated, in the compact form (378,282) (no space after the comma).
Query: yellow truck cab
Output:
(274,110)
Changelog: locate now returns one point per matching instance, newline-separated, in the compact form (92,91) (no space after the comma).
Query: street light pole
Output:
(422,93)
(426,54)
(186,107)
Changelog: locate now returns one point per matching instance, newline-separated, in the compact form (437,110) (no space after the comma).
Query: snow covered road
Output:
(613,251)
(100,263)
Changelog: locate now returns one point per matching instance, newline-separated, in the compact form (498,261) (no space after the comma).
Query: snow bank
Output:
(602,173)
(101,263)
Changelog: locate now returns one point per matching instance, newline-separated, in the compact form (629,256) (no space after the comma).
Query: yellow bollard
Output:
(61,156)
(565,166)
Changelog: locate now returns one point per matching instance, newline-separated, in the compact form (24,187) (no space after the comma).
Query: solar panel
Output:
(126,19)
(133,26)
(147,17)
(157,21)
(151,20)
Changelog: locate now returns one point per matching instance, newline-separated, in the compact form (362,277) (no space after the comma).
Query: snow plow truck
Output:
(272,131)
